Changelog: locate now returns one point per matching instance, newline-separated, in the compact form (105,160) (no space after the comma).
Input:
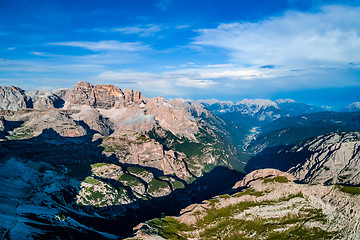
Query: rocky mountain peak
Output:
(102,96)
(13,98)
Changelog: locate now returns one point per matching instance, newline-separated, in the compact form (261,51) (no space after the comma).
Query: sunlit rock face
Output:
(13,98)
(267,205)
(102,96)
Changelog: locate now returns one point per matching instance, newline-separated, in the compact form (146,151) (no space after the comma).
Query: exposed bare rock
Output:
(330,159)
(270,207)
(62,93)
(56,120)
(108,171)
(44,99)
(95,192)
(262,173)
(173,116)
(132,148)
(93,119)
(13,98)
(102,96)
(2,126)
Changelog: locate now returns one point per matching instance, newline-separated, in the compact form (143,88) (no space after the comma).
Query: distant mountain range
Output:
(260,110)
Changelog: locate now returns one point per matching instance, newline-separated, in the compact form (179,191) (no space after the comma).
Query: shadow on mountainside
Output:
(278,157)
(9,126)
(73,156)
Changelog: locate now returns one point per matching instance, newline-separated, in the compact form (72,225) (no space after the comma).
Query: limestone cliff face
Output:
(270,207)
(42,99)
(332,159)
(13,98)
(56,120)
(102,96)
(174,116)
(131,148)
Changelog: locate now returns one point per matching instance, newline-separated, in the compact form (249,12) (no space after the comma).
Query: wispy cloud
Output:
(43,54)
(194,83)
(231,80)
(105,45)
(142,30)
(328,36)
(163,4)
(183,26)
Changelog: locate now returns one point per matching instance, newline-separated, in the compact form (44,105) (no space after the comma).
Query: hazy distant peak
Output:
(285,101)
(214,101)
(264,103)
(353,107)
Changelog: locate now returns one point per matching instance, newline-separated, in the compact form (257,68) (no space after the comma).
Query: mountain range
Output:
(101,162)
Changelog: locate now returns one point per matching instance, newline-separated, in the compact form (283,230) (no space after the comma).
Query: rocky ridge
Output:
(270,207)
(332,159)
(327,159)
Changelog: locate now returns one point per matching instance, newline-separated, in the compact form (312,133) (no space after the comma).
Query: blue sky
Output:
(230,50)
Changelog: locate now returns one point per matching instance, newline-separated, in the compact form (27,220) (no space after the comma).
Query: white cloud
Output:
(328,36)
(105,45)
(11,48)
(142,30)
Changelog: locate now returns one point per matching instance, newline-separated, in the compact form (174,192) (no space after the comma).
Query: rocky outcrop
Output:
(270,207)
(58,121)
(262,173)
(2,124)
(43,99)
(13,98)
(102,96)
(134,149)
(93,119)
(173,116)
(331,159)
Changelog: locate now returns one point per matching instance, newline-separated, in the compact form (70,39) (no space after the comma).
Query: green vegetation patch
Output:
(279,179)
(92,180)
(21,133)
(175,184)
(138,170)
(169,228)
(224,196)
(349,189)
(96,165)
(220,224)
(113,148)
(129,180)
(94,195)
(155,185)
(248,191)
